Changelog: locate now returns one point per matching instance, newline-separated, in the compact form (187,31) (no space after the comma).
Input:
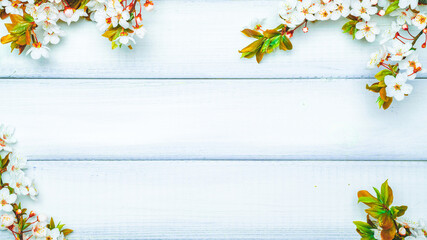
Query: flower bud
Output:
(305,29)
(381,12)
(32,214)
(424,45)
(138,19)
(425,30)
(290,34)
(68,12)
(405,27)
(41,218)
(402,231)
(148,5)
(19,211)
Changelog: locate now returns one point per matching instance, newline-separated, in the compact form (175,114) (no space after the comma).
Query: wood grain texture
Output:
(219,199)
(212,119)
(198,39)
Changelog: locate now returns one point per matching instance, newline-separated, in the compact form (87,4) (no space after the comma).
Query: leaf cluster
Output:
(267,41)
(380,87)
(19,31)
(380,209)
(350,28)
(113,33)
(51,225)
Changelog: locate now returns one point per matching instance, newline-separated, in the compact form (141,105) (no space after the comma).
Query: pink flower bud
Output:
(69,12)
(405,27)
(424,45)
(32,214)
(138,19)
(425,30)
(305,29)
(19,211)
(402,231)
(381,12)
(290,34)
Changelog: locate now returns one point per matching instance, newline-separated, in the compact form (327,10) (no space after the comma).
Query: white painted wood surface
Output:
(90,141)
(198,39)
(213,119)
(219,199)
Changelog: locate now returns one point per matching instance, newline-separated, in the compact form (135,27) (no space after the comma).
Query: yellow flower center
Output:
(397,87)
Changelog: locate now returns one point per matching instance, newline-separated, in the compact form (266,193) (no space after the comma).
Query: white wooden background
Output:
(182,139)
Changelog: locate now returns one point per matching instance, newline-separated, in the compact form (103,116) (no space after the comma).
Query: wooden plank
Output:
(198,39)
(219,199)
(212,119)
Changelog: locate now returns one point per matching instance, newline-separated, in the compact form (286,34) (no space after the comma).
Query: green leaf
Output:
(271,33)
(66,231)
(398,211)
(381,74)
(287,42)
(20,28)
(252,33)
(253,46)
(363,227)
(386,194)
(368,200)
(28,18)
(265,45)
(378,193)
(393,6)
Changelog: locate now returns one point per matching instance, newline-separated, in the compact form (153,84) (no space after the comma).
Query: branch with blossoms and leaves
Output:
(385,222)
(399,40)
(35,23)
(22,224)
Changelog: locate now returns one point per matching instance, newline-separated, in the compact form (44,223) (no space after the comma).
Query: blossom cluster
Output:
(35,23)
(385,222)
(15,184)
(397,52)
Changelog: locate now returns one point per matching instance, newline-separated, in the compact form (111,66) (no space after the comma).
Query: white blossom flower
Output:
(377,234)
(53,234)
(403,16)
(6,220)
(288,5)
(20,183)
(367,30)
(140,31)
(6,138)
(390,32)
(16,162)
(377,58)
(118,15)
(363,9)
(149,6)
(412,65)
(13,7)
(37,51)
(95,5)
(50,26)
(325,11)
(397,86)
(400,50)
(384,3)
(416,235)
(306,10)
(39,230)
(125,38)
(407,3)
(53,37)
(6,199)
(70,15)
(292,20)
(46,12)
(420,21)
(342,9)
